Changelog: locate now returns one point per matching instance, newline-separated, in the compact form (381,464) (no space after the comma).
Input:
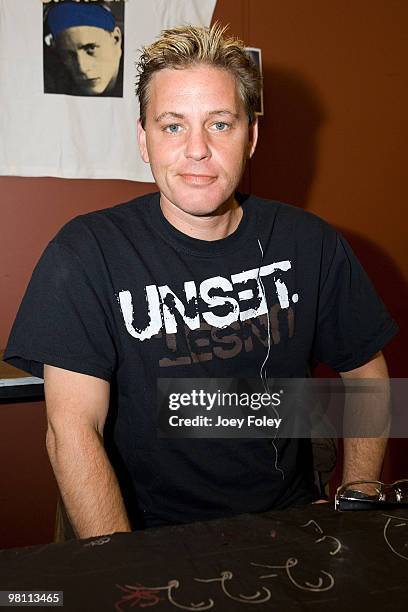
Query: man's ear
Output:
(141,137)
(117,35)
(253,137)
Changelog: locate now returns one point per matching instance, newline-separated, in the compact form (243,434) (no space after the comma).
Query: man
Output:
(196,281)
(86,47)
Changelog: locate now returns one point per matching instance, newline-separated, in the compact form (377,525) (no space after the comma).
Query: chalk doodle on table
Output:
(308,586)
(391,518)
(138,596)
(324,537)
(142,596)
(292,562)
(250,599)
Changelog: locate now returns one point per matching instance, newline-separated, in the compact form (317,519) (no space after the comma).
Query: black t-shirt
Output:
(122,295)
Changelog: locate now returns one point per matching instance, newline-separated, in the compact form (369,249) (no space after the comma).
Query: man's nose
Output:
(84,64)
(197,146)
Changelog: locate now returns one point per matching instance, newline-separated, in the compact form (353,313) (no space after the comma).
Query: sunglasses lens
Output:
(401,491)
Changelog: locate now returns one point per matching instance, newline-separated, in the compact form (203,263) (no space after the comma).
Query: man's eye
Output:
(220,126)
(90,48)
(173,128)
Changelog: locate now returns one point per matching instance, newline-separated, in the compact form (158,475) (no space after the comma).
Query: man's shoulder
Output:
(286,215)
(104,223)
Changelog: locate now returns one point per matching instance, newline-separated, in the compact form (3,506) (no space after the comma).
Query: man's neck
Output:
(211,227)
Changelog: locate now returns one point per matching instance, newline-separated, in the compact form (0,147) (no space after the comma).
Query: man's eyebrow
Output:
(169,115)
(224,112)
(174,115)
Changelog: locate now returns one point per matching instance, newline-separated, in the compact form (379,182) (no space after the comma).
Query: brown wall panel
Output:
(28,490)
(32,211)
(335,127)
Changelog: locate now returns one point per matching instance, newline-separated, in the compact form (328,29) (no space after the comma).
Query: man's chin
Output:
(200,201)
(205,206)
(91,90)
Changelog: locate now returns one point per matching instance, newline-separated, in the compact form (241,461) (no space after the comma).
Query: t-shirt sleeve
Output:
(62,320)
(353,324)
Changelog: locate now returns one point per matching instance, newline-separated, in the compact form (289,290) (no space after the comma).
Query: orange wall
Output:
(331,141)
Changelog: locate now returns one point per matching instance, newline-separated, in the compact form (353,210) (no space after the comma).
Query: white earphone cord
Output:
(263,372)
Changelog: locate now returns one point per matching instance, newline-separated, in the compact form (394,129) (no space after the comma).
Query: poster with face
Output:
(68,75)
(256,55)
(83,46)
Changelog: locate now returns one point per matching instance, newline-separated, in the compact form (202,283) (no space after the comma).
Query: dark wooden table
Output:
(16,385)
(311,558)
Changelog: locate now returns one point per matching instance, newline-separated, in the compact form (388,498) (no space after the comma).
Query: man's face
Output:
(92,56)
(196,138)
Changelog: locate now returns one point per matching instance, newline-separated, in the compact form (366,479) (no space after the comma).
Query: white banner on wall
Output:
(67,83)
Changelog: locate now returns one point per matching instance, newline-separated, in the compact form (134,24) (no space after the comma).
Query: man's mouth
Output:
(198,180)
(90,81)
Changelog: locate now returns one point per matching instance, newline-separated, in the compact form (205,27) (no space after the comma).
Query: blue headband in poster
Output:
(70,15)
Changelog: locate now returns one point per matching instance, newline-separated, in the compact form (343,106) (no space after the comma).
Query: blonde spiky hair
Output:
(187,46)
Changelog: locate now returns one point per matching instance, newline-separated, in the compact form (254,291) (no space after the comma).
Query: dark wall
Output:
(332,141)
